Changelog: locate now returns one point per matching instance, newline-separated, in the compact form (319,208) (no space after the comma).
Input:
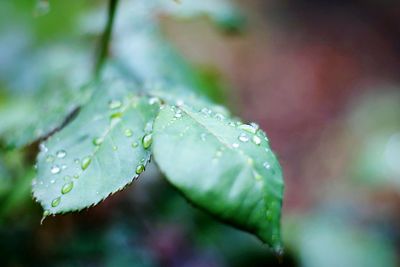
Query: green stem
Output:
(105,38)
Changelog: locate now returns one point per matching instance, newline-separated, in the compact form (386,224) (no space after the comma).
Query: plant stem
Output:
(105,38)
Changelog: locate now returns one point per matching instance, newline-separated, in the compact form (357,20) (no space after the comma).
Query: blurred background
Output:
(320,77)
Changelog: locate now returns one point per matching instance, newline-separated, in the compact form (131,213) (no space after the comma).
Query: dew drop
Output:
(256,140)
(86,162)
(56,202)
(248,128)
(98,141)
(67,188)
(155,100)
(76,176)
(43,147)
(243,137)
(178,114)
(49,158)
(114,104)
(115,116)
(52,181)
(115,148)
(180,102)
(267,165)
(206,111)
(140,169)
(77,161)
(257,176)
(128,132)
(219,116)
(147,141)
(61,154)
(55,169)
(235,145)
(135,144)
(203,136)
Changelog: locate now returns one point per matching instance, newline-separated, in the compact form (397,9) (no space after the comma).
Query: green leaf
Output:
(222,166)
(223,13)
(98,153)
(43,95)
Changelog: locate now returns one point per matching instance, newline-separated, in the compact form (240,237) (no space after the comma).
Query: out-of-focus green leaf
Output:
(222,12)
(375,124)
(98,153)
(329,243)
(222,166)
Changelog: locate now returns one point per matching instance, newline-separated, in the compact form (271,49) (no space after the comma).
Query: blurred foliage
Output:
(158,228)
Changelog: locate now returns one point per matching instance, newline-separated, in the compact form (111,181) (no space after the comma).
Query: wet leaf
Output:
(222,166)
(98,153)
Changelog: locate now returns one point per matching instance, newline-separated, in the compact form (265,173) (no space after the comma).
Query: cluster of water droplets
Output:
(56,168)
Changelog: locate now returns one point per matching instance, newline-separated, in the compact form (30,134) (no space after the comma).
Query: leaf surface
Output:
(222,166)
(98,153)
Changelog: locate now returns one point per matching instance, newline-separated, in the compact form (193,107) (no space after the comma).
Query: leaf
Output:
(222,166)
(98,153)
(43,96)
(221,12)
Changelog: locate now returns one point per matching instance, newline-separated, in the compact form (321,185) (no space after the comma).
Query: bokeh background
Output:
(320,77)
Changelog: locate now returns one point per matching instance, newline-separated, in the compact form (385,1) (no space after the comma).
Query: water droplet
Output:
(55,169)
(86,162)
(243,137)
(98,141)
(178,113)
(235,145)
(114,104)
(180,102)
(256,140)
(115,148)
(147,141)
(49,158)
(140,169)
(63,167)
(219,116)
(257,176)
(255,126)
(52,181)
(155,100)
(128,132)
(116,116)
(248,128)
(76,176)
(267,165)
(43,147)
(61,154)
(56,202)
(67,187)
(206,111)
(203,136)
(77,161)
(135,144)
